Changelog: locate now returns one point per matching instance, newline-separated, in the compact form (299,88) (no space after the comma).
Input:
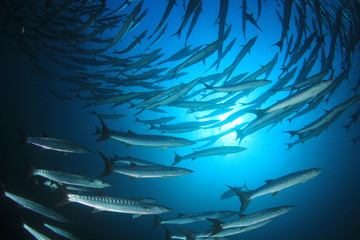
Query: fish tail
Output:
(64,195)
(177,159)
(206,85)
(279,44)
(23,139)
(105,132)
(151,127)
(168,234)
(29,170)
(290,145)
(108,165)
(93,112)
(157,221)
(244,198)
(217,226)
(292,133)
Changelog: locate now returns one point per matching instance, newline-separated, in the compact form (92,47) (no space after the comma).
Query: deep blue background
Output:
(325,207)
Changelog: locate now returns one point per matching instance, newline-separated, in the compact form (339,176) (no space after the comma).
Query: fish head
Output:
(284,209)
(181,171)
(312,173)
(158,209)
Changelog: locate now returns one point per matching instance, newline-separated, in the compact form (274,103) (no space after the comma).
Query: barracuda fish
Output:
(229,70)
(215,151)
(166,101)
(109,116)
(183,127)
(190,9)
(111,204)
(300,96)
(35,233)
(242,86)
(61,232)
(250,219)
(129,160)
(323,122)
(192,217)
(167,11)
(36,207)
(141,171)
(135,43)
(193,21)
(52,144)
(155,121)
(200,55)
(308,81)
(52,186)
(285,22)
(131,138)
(161,34)
(275,185)
(67,178)
(237,230)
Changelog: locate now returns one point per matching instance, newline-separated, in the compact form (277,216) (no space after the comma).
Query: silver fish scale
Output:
(151,171)
(116,204)
(56,144)
(67,178)
(36,207)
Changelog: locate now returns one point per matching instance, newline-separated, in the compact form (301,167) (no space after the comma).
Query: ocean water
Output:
(326,207)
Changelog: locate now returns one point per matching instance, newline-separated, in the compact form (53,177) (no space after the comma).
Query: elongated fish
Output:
(300,96)
(111,204)
(220,151)
(192,217)
(35,233)
(250,219)
(131,138)
(67,178)
(54,144)
(36,207)
(275,185)
(138,171)
(237,230)
(61,232)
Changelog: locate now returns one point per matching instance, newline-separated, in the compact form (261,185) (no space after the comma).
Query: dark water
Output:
(325,207)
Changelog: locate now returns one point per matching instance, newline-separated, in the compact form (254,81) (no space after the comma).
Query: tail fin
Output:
(151,127)
(290,145)
(244,198)
(64,195)
(217,226)
(93,112)
(29,170)
(108,165)
(23,139)
(157,222)
(292,133)
(167,233)
(177,159)
(105,132)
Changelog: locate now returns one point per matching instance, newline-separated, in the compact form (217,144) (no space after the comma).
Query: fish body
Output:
(193,217)
(61,232)
(141,171)
(300,96)
(54,144)
(131,138)
(69,178)
(35,233)
(111,204)
(276,185)
(220,151)
(36,207)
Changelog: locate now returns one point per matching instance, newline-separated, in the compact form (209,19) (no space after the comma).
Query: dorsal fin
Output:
(269,180)
(129,131)
(133,164)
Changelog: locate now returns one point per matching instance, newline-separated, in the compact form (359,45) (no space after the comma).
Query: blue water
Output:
(326,207)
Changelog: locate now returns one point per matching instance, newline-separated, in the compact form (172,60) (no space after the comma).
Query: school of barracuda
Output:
(106,72)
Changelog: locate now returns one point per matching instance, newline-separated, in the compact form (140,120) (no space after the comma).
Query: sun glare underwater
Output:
(187,119)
